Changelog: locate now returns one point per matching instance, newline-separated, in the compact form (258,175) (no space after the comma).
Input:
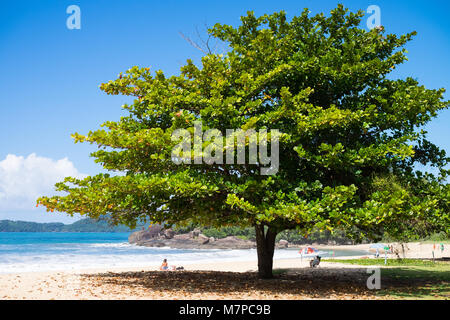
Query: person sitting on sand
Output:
(315,262)
(164,266)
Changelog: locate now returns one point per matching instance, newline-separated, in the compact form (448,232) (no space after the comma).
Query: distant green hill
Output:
(84,225)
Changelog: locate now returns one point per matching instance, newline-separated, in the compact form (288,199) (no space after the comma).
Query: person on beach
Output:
(377,254)
(164,266)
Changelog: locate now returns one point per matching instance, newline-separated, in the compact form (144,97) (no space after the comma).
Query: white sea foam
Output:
(30,252)
(78,256)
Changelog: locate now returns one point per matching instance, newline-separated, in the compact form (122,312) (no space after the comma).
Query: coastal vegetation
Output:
(292,236)
(337,236)
(103,225)
(351,138)
(83,225)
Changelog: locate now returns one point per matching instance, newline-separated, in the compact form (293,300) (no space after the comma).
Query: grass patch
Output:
(416,282)
(420,273)
(390,262)
(410,278)
(430,291)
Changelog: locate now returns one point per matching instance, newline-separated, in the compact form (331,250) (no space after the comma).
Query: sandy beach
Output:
(224,280)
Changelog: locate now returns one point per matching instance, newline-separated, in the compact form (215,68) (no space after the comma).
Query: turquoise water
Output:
(48,251)
(51,251)
(19,238)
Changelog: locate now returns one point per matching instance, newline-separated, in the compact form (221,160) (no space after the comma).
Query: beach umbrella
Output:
(308,250)
(381,247)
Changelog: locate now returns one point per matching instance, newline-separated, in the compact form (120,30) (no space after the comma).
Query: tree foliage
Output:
(323,82)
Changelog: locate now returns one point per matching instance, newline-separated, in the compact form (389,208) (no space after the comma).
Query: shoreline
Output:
(414,250)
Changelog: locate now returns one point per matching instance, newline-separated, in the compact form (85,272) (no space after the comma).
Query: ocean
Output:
(52,251)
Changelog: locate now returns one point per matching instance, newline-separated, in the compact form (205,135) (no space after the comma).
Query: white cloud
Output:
(23,180)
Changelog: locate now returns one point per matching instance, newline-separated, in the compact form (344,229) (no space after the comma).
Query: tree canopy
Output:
(351,137)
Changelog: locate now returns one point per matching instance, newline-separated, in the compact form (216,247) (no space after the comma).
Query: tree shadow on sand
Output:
(299,283)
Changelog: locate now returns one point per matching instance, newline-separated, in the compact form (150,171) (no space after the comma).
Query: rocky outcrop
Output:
(232,242)
(169,233)
(145,234)
(157,237)
(283,244)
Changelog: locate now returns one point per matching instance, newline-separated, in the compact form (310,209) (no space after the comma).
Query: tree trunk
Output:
(265,244)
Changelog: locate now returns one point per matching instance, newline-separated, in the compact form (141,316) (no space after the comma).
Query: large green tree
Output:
(350,136)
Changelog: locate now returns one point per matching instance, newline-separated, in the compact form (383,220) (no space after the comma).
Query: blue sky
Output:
(50,74)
